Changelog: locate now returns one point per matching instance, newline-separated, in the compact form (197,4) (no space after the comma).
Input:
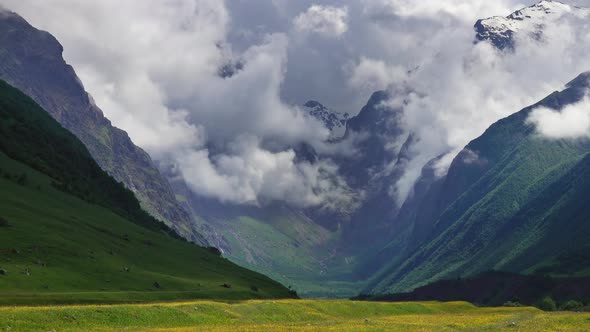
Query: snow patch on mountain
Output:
(531,20)
(334,121)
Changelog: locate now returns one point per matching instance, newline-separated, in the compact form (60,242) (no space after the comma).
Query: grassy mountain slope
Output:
(32,61)
(69,233)
(280,242)
(504,204)
(291,249)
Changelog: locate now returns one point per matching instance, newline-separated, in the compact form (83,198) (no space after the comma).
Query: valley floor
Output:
(288,315)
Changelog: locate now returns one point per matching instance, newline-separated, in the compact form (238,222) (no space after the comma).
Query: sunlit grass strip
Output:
(288,315)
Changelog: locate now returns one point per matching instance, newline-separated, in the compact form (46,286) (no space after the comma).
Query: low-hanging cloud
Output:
(372,74)
(325,20)
(572,122)
(250,174)
(467,11)
(153,67)
(461,88)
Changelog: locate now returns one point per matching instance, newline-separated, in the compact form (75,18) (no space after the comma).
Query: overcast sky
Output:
(152,66)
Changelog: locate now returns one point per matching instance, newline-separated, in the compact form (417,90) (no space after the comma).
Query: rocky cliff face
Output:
(333,121)
(32,61)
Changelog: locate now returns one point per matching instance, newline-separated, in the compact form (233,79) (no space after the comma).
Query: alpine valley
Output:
(489,212)
(81,204)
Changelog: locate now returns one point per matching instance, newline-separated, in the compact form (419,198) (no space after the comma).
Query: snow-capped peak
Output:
(334,121)
(531,20)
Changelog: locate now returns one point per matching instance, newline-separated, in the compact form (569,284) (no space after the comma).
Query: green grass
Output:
(30,135)
(291,249)
(58,248)
(288,315)
(519,207)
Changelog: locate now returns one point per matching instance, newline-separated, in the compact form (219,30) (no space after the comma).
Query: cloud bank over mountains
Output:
(153,68)
(572,122)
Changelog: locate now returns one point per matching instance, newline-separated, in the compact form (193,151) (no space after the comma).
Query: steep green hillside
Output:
(290,248)
(70,234)
(512,200)
(31,60)
(28,134)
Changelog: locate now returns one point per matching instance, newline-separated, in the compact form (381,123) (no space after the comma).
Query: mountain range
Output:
(501,201)
(511,200)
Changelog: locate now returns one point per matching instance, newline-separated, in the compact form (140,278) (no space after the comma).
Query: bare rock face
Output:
(333,121)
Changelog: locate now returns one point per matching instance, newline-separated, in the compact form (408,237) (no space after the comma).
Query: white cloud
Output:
(459,89)
(137,57)
(325,20)
(572,122)
(152,67)
(372,75)
(467,11)
(250,174)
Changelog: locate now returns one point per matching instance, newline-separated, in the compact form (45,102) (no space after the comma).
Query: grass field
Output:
(58,249)
(288,315)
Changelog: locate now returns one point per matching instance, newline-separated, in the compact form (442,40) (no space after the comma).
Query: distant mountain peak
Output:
(531,20)
(377,116)
(580,82)
(334,121)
